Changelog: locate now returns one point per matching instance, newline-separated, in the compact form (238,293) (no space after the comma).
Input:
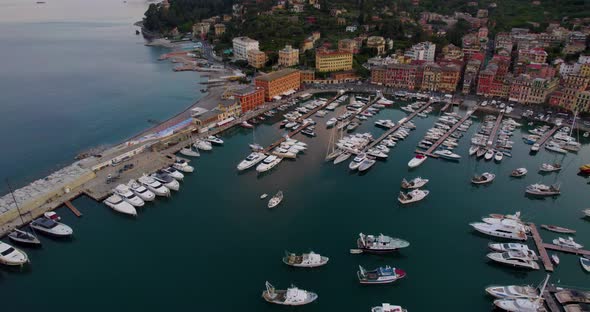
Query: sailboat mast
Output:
(573,122)
(15,203)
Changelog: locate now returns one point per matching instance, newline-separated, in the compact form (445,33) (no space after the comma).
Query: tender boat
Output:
(215,139)
(166,180)
(154,186)
(412,196)
(356,162)
(182,165)
(306,260)
(171,171)
(268,163)
(498,156)
(414,183)
(263,196)
(446,154)
(473,150)
(342,157)
(52,215)
(366,164)
(141,191)
(12,256)
(275,200)
(555,259)
(501,247)
(514,258)
(380,244)
(585,264)
(519,172)
(543,190)
(50,227)
(188,151)
(23,238)
(246,125)
(381,275)
(512,291)
(292,296)
(417,160)
(484,178)
(128,196)
(386,307)
(567,242)
(558,229)
(550,167)
(506,228)
(118,204)
(251,160)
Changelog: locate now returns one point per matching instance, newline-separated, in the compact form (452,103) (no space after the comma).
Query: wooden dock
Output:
(541,248)
(283,139)
(492,137)
(546,136)
(568,250)
(72,208)
(550,299)
(434,146)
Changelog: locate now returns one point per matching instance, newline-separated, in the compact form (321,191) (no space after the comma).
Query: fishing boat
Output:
(550,167)
(483,178)
(386,307)
(305,260)
(292,296)
(567,242)
(268,163)
(380,244)
(275,200)
(251,160)
(23,238)
(118,204)
(141,191)
(501,247)
(555,259)
(514,258)
(527,304)
(182,165)
(128,196)
(366,164)
(512,291)
(414,183)
(489,154)
(417,160)
(412,196)
(518,172)
(585,264)
(446,154)
(538,189)
(381,275)
(11,256)
(473,150)
(155,186)
(50,227)
(342,157)
(558,229)
(356,161)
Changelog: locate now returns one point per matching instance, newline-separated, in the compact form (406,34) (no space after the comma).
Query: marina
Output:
(429,151)
(545,137)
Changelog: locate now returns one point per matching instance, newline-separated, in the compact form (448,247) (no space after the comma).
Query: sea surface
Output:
(212,246)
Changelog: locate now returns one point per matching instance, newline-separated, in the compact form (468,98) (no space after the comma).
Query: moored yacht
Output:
(356,162)
(182,165)
(342,157)
(414,183)
(331,122)
(215,139)
(23,238)
(155,186)
(141,191)
(251,160)
(188,151)
(292,296)
(412,196)
(417,160)
(512,291)
(518,172)
(381,275)
(501,247)
(514,258)
(380,244)
(446,154)
(203,145)
(489,154)
(171,171)
(268,163)
(386,307)
(538,189)
(483,178)
(473,150)
(506,228)
(118,204)
(12,256)
(366,164)
(166,180)
(567,242)
(51,227)
(550,167)
(128,196)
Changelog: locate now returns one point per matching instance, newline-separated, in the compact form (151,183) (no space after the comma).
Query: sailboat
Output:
(332,151)
(19,236)
(189,151)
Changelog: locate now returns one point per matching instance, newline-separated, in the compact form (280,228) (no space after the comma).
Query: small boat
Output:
(351,126)
(50,227)
(498,156)
(182,165)
(275,200)
(256,147)
(356,162)
(585,264)
(171,171)
(484,178)
(52,215)
(558,229)
(512,291)
(366,164)
(331,122)
(118,204)
(535,147)
(381,275)
(550,167)
(12,256)
(473,150)
(414,183)
(518,172)
(377,153)
(342,157)
(155,186)
(543,190)
(23,238)
(188,151)
(306,260)
(480,152)
(567,242)
(203,145)
(555,259)
(380,244)
(308,132)
(514,258)
(489,154)
(586,134)
(386,307)
(246,125)
(412,196)
(292,296)
(141,191)
(446,154)
(166,180)
(551,146)
(263,196)
(417,160)
(585,169)
(355,251)
(128,196)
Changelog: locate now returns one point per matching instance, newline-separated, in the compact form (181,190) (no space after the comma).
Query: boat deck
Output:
(494,132)
(434,146)
(547,135)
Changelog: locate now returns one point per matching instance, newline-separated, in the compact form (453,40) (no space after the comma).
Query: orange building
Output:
(279,82)
(250,98)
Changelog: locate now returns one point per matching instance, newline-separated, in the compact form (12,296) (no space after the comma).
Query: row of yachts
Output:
(560,143)
(264,162)
(482,145)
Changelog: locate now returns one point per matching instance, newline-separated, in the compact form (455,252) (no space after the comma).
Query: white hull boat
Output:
(141,191)
(412,196)
(268,163)
(251,160)
(417,160)
(128,196)
(306,260)
(118,204)
(154,186)
(166,180)
(292,296)
(514,258)
(11,256)
(51,227)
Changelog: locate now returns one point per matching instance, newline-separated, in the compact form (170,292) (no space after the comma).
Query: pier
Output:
(495,130)
(434,146)
(546,136)
(77,212)
(541,248)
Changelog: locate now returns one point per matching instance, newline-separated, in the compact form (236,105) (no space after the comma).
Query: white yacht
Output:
(251,160)
(473,149)
(118,204)
(268,163)
(154,186)
(543,190)
(342,157)
(203,145)
(446,154)
(182,165)
(215,139)
(567,242)
(306,260)
(506,228)
(550,167)
(292,296)
(188,151)
(514,258)
(498,156)
(483,178)
(366,164)
(376,153)
(518,172)
(412,196)
(489,154)
(283,153)
(501,247)
(512,291)
(554,147)
(12,256)
(128,196)
(51,227)
(386,307)
(417,160)
(175,174)
(414,183)
(356,162)
(141,191)
(166,180)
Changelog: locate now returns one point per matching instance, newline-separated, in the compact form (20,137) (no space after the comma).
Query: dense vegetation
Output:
(183,14)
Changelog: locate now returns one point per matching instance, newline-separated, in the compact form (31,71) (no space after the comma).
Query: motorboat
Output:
(585,264)
(498,156)
(275,200)
(483,178)
(380,244)
(342,157)
(155,186)
(412,196)
(188,151)
(381,275)
(52,215)
(417,160)
(171,171)
(554,147)
(473,150)
(23,238)
(128,196)
(480,152)
(166,180)
(182,165)
(12,256)
(292,296)
(446,154)
(331,122)
(305,260)
(376,153)
(518,172)
(386,307)
(356,161)
(489,154)
(118,204)
(567,242)
(251,160)
(203,145)
(514,258)
(558,229)
(550,167)
(366,164)
(543,190)
(506,228)
(283,153)
(586,212)
(555,259)
(385,123)
(141,191)
(308,132)
(414,183)
(501,247)
(215,139)
(246,125)
(351,126)
(50,227)
(513,291)
(268,163)
(524,304)
(535,147)
(256,147)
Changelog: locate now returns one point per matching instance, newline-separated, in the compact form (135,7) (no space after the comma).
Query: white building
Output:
(242,45)
(423,51)
(351,28)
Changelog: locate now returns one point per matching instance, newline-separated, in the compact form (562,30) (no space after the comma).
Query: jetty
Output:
(76,212)
(542,248)
(546,136)
(494,132)
(436,144)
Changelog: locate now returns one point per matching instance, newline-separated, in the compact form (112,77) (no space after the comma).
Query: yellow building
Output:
(256,58)
(376,42)
(219,29)
(329,60)
(288,56)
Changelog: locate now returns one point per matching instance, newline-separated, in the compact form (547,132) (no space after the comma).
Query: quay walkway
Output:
(541,248)
(494,132)
(546,136)
(436,144)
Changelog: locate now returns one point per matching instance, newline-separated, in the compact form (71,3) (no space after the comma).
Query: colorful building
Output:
(402,76)
(288,56)
(330,60)
(348,45)
(219,29)
(279,82)
(249,98)
(242,45)
(256,58)
(376,42)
